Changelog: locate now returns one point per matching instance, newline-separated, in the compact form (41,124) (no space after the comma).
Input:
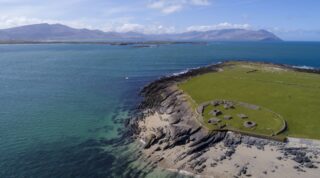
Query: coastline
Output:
(172,139)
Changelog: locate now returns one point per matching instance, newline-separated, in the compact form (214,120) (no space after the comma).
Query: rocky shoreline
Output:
(166,126)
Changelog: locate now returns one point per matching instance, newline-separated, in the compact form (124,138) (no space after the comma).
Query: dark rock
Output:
(166,146)
(279,158)
(178,131)
(174,120)
(213,164)
(309,165)
(265,172)
(180,141)
(202,160)
(211,139)
(230,152)
(195,156)
(306,159)
(243,171)
(232,141)
(195,130)
(223,157)
(199,138)
(298,159)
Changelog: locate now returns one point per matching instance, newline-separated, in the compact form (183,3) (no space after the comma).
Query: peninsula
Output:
(232,119)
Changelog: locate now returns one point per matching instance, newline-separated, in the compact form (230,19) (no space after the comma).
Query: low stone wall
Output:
(284,127)
(276,138)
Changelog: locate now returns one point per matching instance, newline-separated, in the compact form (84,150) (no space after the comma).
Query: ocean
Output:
(62,106)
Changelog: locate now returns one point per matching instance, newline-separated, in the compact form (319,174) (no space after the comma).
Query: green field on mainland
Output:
(293,95)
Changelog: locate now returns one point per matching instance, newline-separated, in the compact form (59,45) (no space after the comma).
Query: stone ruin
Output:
(249,124)
(227,117)
(242,116)
(215,112)
(228,105)
(214,121)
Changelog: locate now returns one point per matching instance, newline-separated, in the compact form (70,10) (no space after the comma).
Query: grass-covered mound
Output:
(293,95)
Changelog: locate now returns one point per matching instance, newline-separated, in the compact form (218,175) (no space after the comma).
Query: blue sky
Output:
(289,19)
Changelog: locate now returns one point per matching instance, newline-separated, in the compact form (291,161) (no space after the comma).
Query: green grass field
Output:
(268,123)
(293,95)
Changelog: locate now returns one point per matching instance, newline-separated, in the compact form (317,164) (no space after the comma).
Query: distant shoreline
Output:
(120,43)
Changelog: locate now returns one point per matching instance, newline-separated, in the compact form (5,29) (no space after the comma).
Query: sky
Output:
(295,20)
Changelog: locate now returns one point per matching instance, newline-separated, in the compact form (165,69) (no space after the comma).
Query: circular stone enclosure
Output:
(258,120)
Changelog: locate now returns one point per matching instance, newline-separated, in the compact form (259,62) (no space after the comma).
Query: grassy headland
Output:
(291,94)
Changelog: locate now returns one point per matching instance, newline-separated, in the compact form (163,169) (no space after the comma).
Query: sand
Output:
(259,162)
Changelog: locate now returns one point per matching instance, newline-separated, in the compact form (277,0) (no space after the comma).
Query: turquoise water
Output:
(61,106)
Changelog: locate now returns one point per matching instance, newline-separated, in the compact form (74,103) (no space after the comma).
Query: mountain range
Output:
(58,32)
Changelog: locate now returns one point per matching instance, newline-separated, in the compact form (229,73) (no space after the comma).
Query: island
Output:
(232,119)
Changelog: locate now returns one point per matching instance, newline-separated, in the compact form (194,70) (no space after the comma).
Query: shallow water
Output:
(61,104)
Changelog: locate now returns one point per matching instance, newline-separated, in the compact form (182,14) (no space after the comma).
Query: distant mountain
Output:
(58,32)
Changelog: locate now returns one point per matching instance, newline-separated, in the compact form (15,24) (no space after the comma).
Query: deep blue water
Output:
(61,104)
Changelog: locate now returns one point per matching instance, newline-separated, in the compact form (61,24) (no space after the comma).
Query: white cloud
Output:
(224,25)
(127,27)
(116,25)
(171,6)
(14,21)
(157,4)
(200,2)
(171,9)
(133,27)
(7,22)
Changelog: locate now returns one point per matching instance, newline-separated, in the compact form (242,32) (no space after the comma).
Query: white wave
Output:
(180,73)
(187,70)
(303,67)
(142,141)
(183,172)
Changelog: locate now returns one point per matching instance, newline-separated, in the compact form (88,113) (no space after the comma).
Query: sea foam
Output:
(304,67)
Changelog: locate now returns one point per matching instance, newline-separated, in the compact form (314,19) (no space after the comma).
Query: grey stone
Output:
(242,116)
(214,120)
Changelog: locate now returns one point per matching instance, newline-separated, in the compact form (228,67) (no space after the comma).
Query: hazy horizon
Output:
(290,20)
